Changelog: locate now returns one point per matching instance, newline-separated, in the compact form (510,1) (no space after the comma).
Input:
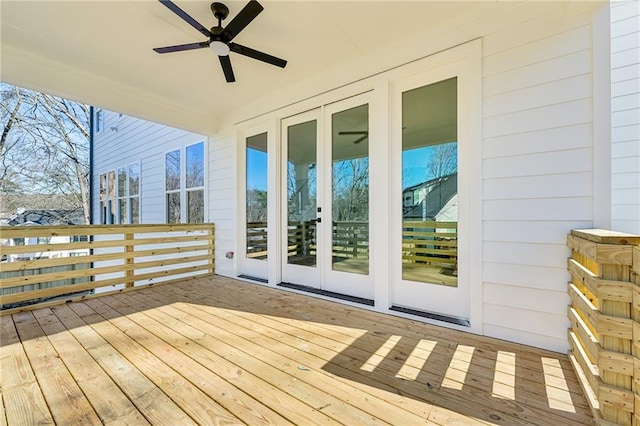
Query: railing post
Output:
(212,252)
(605,332)
(128,248)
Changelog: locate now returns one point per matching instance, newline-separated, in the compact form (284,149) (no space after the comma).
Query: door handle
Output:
(318,220)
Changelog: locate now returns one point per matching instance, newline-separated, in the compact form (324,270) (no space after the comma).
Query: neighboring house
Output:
(46,218)
(427,200)
(541,99)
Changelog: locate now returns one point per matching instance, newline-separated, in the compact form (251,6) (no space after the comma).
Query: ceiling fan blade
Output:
(185,16)
(226,67)
(360,139)
(354,132)
(181,47)
(242,19)
(247,51)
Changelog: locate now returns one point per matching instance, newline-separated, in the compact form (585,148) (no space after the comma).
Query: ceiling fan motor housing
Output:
(220,11)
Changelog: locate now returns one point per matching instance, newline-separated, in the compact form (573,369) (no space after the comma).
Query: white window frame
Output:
(131,197)
(99,125)
(182,189)
(121,196)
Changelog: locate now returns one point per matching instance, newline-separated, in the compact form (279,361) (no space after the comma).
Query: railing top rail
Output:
(604,236)
(69,230)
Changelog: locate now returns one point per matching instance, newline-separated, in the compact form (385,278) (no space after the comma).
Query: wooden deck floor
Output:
(215,350)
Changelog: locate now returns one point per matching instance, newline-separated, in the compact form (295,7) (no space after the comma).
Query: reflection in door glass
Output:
(257,197)
(430,184)
(350,189)
(302,193)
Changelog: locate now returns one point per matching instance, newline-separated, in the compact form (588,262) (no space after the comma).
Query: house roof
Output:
(47,217)
(100,52)
(428,182)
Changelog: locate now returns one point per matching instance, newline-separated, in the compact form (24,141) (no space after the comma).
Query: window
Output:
(195,183)
(256,196)
(99,120)
(103,198)
(122,196)
(172,184)
(184,184)
(111,196)
(134,193)
(430,171)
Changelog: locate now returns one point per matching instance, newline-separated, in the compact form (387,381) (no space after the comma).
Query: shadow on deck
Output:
(215,350)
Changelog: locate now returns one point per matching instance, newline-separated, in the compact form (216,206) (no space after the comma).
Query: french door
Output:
(326,209)
(429,227)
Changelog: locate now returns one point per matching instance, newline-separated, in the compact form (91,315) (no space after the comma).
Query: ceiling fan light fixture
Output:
(219,48)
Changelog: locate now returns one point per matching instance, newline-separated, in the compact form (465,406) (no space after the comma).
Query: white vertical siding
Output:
(625,116)
(537,173)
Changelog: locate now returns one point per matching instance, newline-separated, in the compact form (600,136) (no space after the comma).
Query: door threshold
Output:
(354,299)
(249,277)
(425,314)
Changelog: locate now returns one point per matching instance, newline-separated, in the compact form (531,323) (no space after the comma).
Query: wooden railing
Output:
(350,240)
(426,242)
(301,238)
(605,322)
(430,242)
(74,261)
(257,240)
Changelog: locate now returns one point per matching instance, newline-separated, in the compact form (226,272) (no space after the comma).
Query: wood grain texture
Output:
(214,350)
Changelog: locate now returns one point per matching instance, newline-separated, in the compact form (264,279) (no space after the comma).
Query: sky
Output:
(414,163)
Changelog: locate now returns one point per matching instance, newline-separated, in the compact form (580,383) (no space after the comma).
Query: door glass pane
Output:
(350,190)
(430,184)
(257,197)
(302,193)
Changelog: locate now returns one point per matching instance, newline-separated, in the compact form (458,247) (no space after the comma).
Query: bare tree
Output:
(443,160)
(351,190)
(44,148)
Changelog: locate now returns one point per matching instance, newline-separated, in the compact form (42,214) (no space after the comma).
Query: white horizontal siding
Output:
(625,116)
(125,140)
(537,174)
(537,162)
(528,276)
(222,197)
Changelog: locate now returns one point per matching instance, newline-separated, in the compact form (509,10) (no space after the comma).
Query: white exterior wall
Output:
(537,173)
(625,116)
(125,140)
(537,161)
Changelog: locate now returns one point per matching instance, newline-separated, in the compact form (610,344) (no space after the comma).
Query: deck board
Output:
(215,350)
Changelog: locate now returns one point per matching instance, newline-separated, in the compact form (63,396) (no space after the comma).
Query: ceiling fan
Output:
(220,39)
(364,134)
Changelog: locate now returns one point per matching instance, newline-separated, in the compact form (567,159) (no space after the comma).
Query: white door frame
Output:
(464,301)
(346,283)
(247,266)
(309,276)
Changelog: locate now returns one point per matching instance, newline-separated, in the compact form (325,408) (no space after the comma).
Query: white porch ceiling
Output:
(100,52)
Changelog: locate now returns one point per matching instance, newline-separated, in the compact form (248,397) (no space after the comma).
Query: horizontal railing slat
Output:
(131,252)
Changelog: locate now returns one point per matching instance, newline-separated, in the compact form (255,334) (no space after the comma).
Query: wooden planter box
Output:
(605,322)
